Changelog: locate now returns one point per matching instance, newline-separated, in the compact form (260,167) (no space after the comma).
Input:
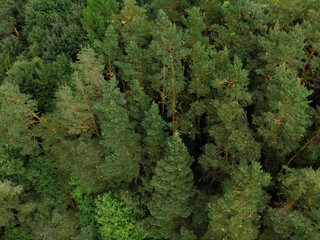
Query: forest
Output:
(159,119)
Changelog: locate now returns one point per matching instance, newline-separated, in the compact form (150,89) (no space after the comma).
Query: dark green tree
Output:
(173,190)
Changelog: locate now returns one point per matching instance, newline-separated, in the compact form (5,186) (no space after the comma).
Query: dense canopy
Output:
(159,119)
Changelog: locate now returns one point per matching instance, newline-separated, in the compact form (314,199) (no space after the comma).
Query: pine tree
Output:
(9,194)
(134,29)
(168,52)
(200,73)
(75,102)
(297,215)
(109,48)
(17,115)
(284,115)
(173,9)
(227,121)
(118,136)
(236,214)
(173,189)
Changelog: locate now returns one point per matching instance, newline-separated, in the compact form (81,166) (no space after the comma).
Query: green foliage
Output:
(284,117)
(118,136)
(96,17)
(53,28)
(39,79)
(297,216)
(212,96)
(16,112)
(10,48)
(87,210)
(9,194)
(74,103)
(115,219)
(11,16)
(173,190)
(154,138)
(236,214)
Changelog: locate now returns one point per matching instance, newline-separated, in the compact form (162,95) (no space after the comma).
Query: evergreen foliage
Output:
(159,119)
(173,189)
(235,215)
(118,136)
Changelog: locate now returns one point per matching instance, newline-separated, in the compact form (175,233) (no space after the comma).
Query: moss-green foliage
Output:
(159,119)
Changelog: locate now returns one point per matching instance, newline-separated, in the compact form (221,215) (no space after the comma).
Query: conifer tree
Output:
(109,48)
(173,190)
(284,114)
(169,52)
(236,214)
(134,29)
(75,102)
(17,115)
(53,28)
(200,73)
(227,121)
(9,194)
(173,9)
(297,215)
(118,135)
(154,137)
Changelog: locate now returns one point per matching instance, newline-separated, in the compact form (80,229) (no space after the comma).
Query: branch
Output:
(301,149)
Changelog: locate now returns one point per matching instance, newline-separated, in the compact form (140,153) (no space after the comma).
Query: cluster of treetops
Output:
(179,120)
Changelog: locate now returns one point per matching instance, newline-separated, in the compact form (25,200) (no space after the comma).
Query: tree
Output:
(121,163)
(39,79)
(53,28)
(173,190)
(284,114)
(236,213)
(17,114)
(297,215)
(115,219)
(154,138)
(96,17)
(168,52)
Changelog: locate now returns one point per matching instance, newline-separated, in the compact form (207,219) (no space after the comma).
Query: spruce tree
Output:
(173,190)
